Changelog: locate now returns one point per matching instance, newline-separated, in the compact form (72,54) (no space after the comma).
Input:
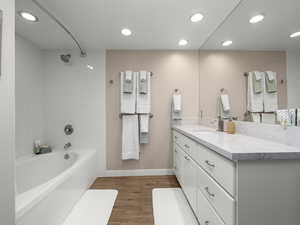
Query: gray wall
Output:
(7,114)
(171,69)
(293,79)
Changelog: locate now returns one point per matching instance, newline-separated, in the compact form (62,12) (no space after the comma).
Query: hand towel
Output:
(254,100)
(257,82)
(128,82)
(271,82)
(144,100)
(176,107)
(143,82)
(144,128)
(225,102)
(130,137)
(128,100)
(222,113)
(177,102)
(268,118)
(270,98)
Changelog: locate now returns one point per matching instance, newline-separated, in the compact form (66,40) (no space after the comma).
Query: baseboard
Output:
(145,172)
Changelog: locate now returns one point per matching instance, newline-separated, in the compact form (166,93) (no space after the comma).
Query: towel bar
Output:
(122,114)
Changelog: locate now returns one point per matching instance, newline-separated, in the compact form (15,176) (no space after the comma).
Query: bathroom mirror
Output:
(258,45)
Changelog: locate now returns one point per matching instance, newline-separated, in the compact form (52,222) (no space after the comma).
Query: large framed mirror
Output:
(254,58)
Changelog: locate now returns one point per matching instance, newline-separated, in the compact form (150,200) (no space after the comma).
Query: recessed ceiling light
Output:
(183,42)
(90,67)
(257,18)
(227,43)
(296,34)
(196,17)
(28,16)
(126,32)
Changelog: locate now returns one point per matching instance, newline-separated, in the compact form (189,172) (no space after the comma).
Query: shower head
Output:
(65,58)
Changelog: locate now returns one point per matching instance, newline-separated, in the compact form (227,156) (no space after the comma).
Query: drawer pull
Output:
(186,146)
(209,193)
(207,222)
(210,164)
(186,158)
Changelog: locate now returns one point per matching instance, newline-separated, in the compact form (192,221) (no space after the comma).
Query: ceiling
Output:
(281,19)
(156,24)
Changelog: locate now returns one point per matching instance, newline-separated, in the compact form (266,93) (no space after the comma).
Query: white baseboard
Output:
(145,172)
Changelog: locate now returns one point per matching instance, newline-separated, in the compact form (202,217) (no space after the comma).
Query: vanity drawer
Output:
(220,168)
(205,213)
(184,142)
(217,196)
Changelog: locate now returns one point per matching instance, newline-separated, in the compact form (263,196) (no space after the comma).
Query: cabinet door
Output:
(178,158)
(189,169)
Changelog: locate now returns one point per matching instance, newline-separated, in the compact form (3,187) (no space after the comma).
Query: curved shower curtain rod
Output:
(82,51)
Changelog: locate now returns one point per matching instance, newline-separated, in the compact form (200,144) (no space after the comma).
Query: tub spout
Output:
(67,146)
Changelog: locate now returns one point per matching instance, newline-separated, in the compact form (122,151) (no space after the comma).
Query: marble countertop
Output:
(238,147)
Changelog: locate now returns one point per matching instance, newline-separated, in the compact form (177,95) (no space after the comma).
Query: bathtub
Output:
(49,185)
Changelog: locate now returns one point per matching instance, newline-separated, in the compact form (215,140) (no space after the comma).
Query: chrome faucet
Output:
(67,145)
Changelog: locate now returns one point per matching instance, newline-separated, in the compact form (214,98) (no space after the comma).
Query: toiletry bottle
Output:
(231,127)
(36,147)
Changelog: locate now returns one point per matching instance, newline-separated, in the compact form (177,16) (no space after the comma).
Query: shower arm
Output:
(82,51)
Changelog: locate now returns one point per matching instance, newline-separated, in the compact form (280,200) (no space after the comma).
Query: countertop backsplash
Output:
(290,136)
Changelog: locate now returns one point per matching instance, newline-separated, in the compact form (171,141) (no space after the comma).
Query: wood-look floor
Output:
(134,202)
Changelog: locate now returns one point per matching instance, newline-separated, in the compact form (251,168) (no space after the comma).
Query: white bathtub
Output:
(48,186)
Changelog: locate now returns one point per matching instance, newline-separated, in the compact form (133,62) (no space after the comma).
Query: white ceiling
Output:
(282,17)
(156,24)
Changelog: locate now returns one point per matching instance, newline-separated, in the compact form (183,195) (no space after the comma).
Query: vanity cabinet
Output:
(221,191)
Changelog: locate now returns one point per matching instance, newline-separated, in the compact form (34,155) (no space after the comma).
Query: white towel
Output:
(143,104)
(128,100)
(144,128)
(254,100)
(177,102)
(128,76)
(270,99)
(258,75)
(130,137)
(271,75)
(225,102)
(268,118)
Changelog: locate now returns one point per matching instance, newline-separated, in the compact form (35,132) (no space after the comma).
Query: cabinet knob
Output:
(210,164)
(207,222)
(186,146)
(209,193)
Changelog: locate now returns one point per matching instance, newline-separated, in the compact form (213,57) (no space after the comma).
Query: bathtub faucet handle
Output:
(67,146)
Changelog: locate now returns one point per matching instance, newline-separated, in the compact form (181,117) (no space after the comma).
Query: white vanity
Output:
(237,179)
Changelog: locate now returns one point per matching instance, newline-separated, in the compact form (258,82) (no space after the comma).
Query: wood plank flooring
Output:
(134,202)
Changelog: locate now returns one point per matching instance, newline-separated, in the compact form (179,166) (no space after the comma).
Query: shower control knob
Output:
(68,129)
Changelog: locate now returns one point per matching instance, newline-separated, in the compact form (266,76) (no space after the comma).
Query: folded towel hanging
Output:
(143,104)
(128,99)
(128,82)
(130,137)
(144,128)
(271,82)
(270,95)
(255,101)
(257,82)
(143,82)
(225,102)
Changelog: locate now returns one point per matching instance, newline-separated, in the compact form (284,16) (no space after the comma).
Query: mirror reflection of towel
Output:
(271,82)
